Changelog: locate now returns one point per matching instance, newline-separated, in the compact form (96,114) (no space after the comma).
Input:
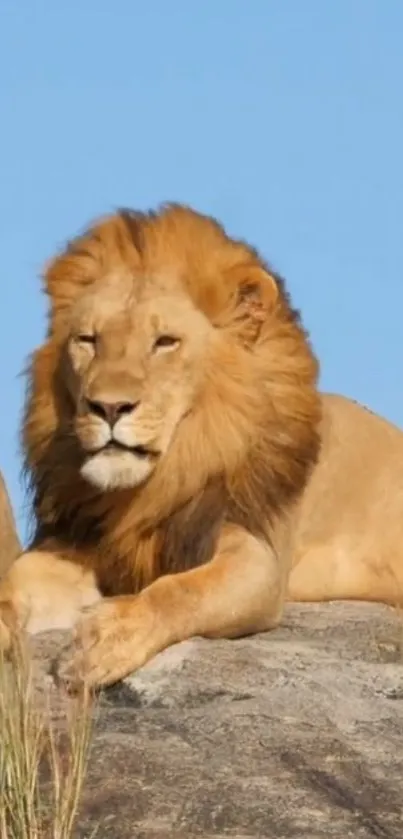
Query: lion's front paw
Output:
(114,638)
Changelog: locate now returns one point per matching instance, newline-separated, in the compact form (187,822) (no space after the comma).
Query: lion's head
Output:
(173,358)
(134,367)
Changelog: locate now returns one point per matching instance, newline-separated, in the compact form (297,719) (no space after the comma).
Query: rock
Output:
(294,733)
(9,543)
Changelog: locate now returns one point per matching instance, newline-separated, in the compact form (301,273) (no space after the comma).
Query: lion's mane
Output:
(245,456)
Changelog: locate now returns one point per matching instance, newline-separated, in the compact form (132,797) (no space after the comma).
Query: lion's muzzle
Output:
(110,411)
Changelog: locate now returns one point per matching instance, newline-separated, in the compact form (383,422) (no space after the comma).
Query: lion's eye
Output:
(166,342)
(85,338)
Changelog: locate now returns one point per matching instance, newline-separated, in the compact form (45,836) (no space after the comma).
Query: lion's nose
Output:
(110,411)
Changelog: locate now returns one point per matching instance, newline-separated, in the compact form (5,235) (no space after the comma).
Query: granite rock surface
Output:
(293,733)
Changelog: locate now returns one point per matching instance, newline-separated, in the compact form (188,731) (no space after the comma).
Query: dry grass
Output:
(41,768)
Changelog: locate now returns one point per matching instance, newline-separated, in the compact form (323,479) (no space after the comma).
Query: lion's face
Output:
(134,364)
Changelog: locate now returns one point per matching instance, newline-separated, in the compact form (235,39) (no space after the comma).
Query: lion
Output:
(187,475)
(10,546)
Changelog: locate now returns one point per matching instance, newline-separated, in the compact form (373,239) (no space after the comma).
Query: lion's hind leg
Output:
(41,592)
(333,572)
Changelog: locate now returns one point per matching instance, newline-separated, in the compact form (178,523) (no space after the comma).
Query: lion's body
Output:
(349,542)
(9,542)
(180,456)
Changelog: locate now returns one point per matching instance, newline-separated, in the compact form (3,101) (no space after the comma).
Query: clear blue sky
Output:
(282,117)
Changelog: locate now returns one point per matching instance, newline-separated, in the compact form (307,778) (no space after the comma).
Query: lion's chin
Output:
(108,470)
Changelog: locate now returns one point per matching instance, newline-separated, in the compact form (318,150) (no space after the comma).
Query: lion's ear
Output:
(256,295)
(257,291)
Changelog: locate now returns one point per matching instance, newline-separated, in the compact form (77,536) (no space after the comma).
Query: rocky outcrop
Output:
(9,543)
(295,733)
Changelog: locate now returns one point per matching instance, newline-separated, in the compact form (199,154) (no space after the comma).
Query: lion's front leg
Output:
(40,592)
(240,591)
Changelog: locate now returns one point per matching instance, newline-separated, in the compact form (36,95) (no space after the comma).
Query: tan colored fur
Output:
(9,542)
(349,541)
(201,369)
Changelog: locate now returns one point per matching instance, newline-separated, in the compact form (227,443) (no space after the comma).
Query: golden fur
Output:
(172,425)
(10,546)
(350,525)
